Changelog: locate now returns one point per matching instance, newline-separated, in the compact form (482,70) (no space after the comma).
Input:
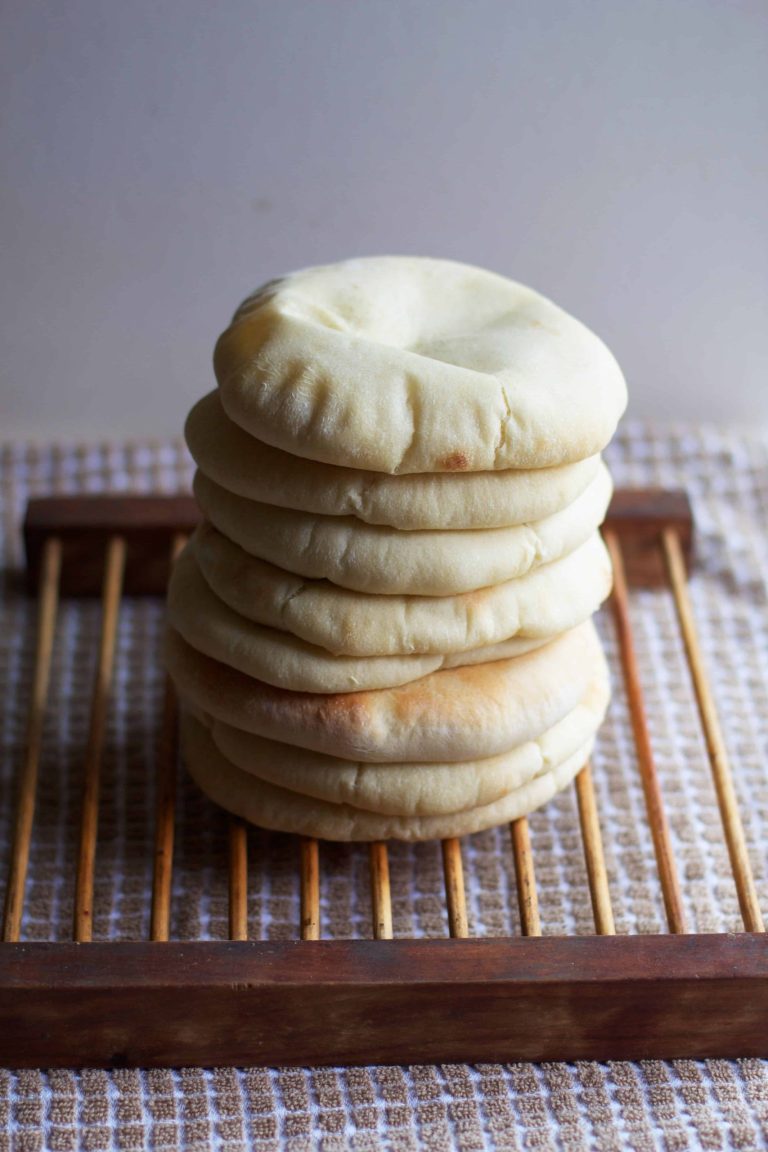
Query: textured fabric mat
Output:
(650,1105)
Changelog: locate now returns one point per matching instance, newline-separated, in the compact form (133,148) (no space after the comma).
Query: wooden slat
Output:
(310,890)
(718,755)
(527,896)
(383,1001)
(453,875)
(48,598)
(165,803)
(381,897)
(637,516)
(238,880)
(112,588)
(148,524)
(657,819)
(594,856)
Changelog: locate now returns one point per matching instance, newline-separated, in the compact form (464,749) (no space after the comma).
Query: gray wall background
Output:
(159,159)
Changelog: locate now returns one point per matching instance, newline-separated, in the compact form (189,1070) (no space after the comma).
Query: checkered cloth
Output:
(651,1105)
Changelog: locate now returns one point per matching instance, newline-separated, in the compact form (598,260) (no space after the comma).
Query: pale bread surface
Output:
(413,789)
(405,364)
(457,714)
(269,806)
(257,471)
(281,659)
(372,558)
(545,602)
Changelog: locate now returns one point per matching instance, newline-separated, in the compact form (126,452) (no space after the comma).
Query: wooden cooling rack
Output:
(380,1000)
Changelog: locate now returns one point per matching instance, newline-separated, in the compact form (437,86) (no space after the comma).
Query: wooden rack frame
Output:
(317,1001)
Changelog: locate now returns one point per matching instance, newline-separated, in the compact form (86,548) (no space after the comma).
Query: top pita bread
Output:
(248,467)
(403,364)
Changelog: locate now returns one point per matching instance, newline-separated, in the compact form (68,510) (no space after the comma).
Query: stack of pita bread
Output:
(382,626)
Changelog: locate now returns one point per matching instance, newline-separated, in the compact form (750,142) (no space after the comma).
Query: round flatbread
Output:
(413,789)
(459,714)
(271,807)
(371,558)
(403,364)
(549,600)
(279,658)
(250,468)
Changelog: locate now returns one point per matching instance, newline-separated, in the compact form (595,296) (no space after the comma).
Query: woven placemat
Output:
(664,1105)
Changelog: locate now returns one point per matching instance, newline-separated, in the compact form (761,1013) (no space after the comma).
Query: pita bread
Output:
(257,471)
(271,807)
(279,658)
(403,365)
(459,714)
(413,789)
(368,558)
(549,600)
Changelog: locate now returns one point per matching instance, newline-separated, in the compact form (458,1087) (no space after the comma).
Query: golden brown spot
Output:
(417,703)
(341,711)
(455,462)
(477,596)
